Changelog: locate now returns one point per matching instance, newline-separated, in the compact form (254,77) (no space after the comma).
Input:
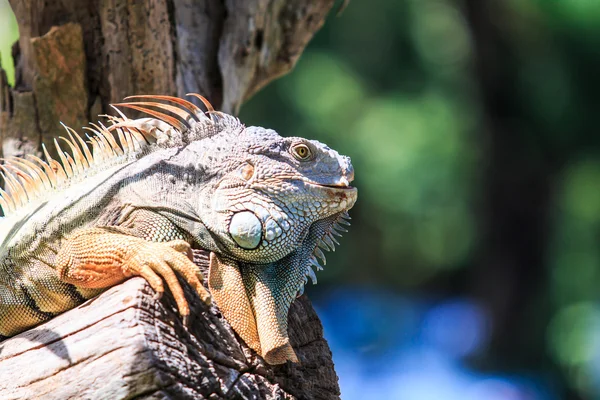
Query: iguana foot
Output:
(100,258)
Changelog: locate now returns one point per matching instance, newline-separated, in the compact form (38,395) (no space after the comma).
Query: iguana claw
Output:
(102,257)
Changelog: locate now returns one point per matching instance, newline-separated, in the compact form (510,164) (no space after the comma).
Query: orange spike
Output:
(16,190)
(25,181)
(46,154)
(55,165)
(99,137)
(148,134)
(86,151)
(101,152)
(184,115)
(96,141)
(72,164)
(130,141)
(34,171)
(104,146)
(133,140)
(137,138)
(77,156)
(109,138)
(174,122)
(49,171)
(122,141)
(7,203)
(63,159)
(123,116)
(61,173)
(187,104)
(206,103)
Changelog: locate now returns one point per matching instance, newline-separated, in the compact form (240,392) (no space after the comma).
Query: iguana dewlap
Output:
(145,190)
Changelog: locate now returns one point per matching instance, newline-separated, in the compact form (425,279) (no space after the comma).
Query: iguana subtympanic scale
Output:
(134,201)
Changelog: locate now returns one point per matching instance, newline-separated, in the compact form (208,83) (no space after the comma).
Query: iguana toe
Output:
(99,258)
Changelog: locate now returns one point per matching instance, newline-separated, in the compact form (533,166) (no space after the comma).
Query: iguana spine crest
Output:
(29,181)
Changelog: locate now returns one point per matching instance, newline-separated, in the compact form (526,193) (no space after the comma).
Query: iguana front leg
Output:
(104,257)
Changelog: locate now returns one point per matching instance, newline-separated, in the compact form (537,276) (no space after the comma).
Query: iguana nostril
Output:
(246,230)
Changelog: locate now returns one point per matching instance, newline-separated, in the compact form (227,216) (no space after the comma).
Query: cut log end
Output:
(124,344)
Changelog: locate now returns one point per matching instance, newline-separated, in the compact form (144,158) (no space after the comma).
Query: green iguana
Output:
(146,189)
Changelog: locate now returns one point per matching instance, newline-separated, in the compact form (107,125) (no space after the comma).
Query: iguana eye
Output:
(246,171)
(301,152)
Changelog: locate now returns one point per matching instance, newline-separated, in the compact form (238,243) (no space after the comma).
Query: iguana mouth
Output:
(334,186)
(343,182)
(329,189)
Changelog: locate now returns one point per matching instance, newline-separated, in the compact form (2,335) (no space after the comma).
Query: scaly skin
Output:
(261,204)
(97,258)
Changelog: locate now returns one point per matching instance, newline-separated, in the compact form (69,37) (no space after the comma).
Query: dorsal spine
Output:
(30,179)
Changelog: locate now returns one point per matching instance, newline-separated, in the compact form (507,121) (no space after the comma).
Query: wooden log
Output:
(125,344)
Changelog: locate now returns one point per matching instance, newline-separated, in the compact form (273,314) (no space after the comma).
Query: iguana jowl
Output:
(148,188)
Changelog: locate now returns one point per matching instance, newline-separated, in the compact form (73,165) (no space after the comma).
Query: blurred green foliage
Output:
(9,33)
(409,123)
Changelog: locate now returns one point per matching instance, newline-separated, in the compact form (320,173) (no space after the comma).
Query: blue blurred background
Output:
(472,267)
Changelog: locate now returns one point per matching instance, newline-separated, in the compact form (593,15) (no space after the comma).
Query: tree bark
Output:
(76,57)
(73,59)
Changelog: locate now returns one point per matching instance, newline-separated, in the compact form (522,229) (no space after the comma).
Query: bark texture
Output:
(124,344)
(72,60)
(76,57)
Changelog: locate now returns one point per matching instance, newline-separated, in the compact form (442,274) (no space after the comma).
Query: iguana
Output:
(143,191)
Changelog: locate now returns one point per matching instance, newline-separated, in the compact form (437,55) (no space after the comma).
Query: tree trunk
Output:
(510,273)
(74,58)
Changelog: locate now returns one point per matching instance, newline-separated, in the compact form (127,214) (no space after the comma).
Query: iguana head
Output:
(269,203)
(271,190)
